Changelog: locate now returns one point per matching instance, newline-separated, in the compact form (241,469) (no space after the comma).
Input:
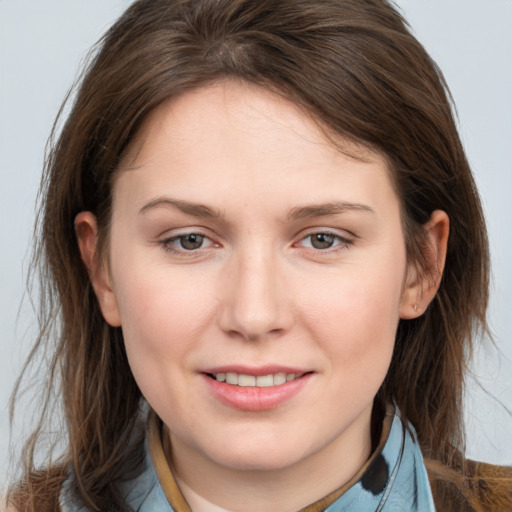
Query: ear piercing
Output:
(415,307)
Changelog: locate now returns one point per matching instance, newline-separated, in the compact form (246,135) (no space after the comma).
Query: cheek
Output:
(354,318)
(162,319)
(161,329)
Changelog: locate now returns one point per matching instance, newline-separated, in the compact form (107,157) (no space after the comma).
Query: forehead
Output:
(241,135)
(248,108)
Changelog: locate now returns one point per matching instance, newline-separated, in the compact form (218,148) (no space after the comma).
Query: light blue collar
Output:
(395,480)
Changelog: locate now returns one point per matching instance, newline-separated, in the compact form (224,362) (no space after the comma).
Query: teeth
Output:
(247,381)
(262,381)
(265,381)
(279,378)
(232,378)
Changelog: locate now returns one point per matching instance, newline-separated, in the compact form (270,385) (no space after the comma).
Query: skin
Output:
(258,291)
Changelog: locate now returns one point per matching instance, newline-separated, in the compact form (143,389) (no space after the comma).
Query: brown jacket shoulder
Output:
(483,488)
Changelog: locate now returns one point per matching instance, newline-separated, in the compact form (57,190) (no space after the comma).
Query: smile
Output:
(260,381)
(254,390)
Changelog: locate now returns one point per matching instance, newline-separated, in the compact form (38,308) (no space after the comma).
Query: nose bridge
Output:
(255,304)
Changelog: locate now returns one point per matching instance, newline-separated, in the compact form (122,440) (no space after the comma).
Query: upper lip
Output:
(256,371)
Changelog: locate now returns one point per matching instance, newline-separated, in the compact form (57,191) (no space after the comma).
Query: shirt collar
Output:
(370,474)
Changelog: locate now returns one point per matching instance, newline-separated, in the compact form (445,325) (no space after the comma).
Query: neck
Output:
(208,485)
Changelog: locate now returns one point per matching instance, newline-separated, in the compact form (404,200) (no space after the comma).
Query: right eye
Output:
(187,242)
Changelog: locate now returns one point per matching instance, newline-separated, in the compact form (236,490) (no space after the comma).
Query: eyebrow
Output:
(321,210)
(297,213)
(194,209)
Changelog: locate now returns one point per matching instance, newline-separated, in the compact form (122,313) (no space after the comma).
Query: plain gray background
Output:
(42,44)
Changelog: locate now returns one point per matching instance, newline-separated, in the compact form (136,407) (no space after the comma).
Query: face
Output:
(258,275)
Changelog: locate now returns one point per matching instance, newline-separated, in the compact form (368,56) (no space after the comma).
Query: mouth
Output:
(255,381)
(248,389)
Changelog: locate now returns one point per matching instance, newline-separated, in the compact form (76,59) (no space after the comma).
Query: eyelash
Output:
(339,243)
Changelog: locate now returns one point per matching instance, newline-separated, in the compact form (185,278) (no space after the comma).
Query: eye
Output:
(188,242)
(191,241)
(323,241)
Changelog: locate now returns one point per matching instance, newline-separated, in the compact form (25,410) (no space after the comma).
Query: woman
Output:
(265,245)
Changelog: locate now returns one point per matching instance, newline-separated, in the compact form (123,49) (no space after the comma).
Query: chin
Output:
(259,455)
(264,461)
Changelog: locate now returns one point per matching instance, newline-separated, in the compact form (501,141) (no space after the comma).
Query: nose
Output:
(254,303)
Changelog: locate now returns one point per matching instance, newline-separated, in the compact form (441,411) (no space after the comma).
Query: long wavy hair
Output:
(354,66)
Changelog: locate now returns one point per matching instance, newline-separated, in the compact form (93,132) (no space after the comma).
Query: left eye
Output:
(322,241)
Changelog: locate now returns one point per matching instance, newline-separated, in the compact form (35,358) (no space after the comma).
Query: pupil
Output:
(192,241)
(322,240)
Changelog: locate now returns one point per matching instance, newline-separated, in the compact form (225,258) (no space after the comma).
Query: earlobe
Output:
(422,283)
(87,236)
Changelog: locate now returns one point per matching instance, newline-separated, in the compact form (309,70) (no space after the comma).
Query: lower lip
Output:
(253,398)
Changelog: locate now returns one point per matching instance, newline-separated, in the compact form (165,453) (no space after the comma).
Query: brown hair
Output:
(351,64)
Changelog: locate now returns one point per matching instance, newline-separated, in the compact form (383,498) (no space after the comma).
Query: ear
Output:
(87,234)
(422,284)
